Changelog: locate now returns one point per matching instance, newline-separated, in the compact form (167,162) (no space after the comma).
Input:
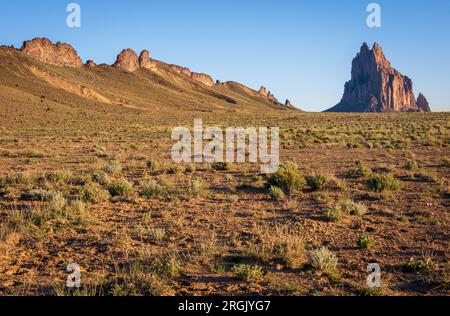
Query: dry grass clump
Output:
(248,273)
(323,259)
(360,170)
(94,193)
(278,243)
(152,189)
(276,193)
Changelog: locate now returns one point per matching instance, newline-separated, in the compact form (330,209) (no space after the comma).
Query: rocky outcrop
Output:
(181,70)
(267,94)
(263,91)
(90,64)
(145,61)
(288,104)
(127,60)
(203,79)
(60,54)
(422,103)
(375,86)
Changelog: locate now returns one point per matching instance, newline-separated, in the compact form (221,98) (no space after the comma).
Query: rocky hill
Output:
(375,86)
(60,54)
(43,73)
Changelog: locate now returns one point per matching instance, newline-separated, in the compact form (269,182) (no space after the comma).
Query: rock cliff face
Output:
(375,86)
(127,60)
(203,79)
(60,54)
(145,61)
(422,103)
(267,94)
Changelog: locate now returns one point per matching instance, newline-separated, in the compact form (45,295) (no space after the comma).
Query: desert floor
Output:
(103,192)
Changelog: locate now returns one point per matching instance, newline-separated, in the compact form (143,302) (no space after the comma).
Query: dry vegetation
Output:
(94,184)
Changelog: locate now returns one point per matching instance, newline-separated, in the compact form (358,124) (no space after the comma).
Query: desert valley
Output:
(86,178)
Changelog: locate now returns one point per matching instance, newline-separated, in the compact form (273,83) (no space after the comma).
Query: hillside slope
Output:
(26,84)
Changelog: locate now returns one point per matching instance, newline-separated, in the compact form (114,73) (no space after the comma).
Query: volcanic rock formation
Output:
(422,103)
(145,61)
(375,86)
(127,60)
(60,54)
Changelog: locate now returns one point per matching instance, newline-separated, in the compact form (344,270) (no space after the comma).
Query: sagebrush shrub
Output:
(288,178)
(121,187)
(323,259)
(380,183)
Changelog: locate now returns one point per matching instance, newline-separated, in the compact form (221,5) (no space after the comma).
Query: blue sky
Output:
(301,50)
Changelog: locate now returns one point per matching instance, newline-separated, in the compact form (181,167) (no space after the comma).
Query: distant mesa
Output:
(59,54)
(375,86)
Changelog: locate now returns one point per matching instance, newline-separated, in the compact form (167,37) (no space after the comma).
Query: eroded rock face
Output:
(267,94)
(422,103)
(375,86)
(145,61)
(181,70)
(90,64)
(60,54)
(263,91)
(288,104)
(127,60)
(203,79)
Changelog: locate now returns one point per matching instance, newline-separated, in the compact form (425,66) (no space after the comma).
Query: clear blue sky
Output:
(301,50)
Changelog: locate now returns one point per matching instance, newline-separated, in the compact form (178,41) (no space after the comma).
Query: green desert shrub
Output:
(94,193)
(248,273)
(101,177)
(288,178)
(59,176)
(197,186)
(419,265)
(121,187)
(276,193)
(380,183)
(222,166)
(335,213)
(153,165)
(40,195)
(360,170)
(113,167)
(174,170)
(412,165)
(189,168)
(323,259)
(317,182)
(365,242)
(151,189)
(351,207)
